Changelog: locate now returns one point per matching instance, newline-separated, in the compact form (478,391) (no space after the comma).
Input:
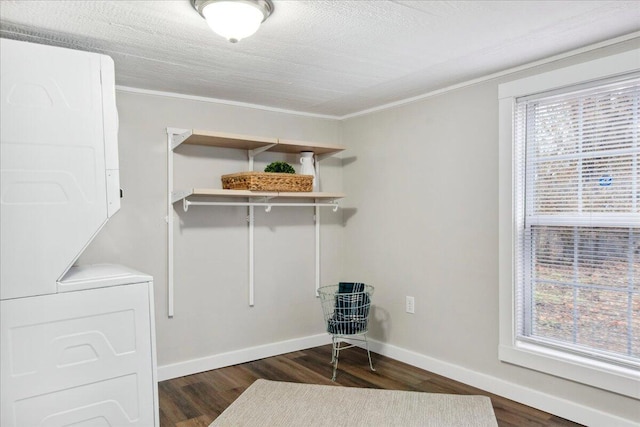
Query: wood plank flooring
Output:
(196,400)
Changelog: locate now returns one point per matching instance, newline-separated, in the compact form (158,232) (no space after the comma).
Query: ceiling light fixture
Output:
(234,19)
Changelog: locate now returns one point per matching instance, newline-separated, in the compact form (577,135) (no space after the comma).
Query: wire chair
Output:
(346,309)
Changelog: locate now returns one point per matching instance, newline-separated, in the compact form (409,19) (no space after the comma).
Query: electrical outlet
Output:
(410,305)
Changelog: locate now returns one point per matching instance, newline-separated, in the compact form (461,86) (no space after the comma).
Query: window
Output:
(574,291)
(578,263)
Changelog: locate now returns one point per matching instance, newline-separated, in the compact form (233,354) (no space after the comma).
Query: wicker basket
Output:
(267,181)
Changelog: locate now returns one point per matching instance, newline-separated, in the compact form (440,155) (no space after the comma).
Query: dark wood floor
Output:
(196,400)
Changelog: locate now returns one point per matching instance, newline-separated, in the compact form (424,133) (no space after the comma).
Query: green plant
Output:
(279,167)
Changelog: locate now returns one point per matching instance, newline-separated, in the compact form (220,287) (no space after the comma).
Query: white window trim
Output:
(622,380)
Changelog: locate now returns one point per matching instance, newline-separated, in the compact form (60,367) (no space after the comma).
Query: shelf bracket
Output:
(179,195)
(265,200)
(178,136)
(252,153)
(256,151)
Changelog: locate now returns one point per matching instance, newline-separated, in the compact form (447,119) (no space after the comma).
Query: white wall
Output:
(420,219)
(212,315)
(422,181)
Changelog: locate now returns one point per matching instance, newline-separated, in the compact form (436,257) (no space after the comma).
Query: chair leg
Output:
(368,352)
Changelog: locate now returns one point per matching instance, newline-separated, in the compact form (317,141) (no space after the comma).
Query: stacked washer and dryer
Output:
(77,343)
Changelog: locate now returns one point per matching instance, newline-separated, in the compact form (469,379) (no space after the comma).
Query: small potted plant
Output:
(279,167)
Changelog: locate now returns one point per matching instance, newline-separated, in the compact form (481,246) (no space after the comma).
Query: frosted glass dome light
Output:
(234,19)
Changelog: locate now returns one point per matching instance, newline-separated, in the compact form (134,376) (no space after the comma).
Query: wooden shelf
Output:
(229,193)
(245,142)
(313,195)
(295,147)
(228,140)
(246,194)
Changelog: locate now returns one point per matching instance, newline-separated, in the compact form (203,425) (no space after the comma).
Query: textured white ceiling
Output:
(328,57)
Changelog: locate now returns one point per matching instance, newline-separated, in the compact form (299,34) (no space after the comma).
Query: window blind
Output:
(578,220)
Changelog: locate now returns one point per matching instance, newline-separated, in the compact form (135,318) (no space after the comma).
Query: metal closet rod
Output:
(267,206)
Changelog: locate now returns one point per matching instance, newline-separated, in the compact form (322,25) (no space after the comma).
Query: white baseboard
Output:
(563,408)
(189,367)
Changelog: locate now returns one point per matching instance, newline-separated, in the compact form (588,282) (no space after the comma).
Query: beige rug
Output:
(272,403)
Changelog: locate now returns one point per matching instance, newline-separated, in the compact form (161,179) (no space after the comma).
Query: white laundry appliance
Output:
(77,343)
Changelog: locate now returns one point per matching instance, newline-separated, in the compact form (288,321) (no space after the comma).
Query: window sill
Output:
(618,379)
